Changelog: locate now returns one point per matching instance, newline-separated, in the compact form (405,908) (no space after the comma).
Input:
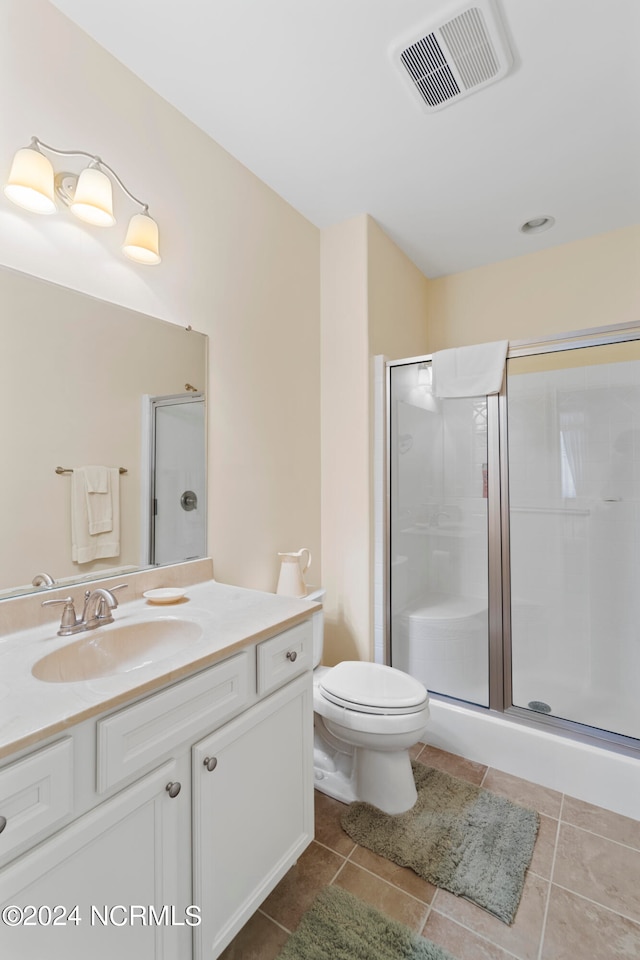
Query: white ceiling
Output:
(307,95)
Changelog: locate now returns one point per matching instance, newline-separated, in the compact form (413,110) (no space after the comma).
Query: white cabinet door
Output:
(253,811)
(123,853)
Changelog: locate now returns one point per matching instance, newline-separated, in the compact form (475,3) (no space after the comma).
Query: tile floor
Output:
(581,896)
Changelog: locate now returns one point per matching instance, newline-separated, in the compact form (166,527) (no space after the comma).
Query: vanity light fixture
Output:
(34,185)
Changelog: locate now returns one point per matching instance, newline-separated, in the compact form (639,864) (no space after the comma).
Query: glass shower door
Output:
(438,537)
(574,503)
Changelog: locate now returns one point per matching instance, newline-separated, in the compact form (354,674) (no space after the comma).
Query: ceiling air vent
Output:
(456,56)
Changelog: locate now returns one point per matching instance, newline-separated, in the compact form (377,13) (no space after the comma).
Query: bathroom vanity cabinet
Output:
(197,796)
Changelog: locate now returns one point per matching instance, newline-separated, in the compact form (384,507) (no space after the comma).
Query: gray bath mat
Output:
(338,926)
(459,837)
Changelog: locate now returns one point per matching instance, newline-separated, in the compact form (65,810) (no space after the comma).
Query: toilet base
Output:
(383,779)
(333,770)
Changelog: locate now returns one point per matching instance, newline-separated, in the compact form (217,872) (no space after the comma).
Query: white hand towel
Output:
(473,371)
(97,486)
(96,479)
(95,517)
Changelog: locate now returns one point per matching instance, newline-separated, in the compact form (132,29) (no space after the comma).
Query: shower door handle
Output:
(189,500)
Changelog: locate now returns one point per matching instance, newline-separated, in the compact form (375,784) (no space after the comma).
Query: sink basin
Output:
(116,649)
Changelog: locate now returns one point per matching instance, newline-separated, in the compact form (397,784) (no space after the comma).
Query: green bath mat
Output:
(457,836)
(338,926)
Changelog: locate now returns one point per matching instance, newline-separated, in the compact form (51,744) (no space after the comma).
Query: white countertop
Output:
(231,618)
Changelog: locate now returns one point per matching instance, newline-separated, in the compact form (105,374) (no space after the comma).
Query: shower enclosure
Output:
(514,535)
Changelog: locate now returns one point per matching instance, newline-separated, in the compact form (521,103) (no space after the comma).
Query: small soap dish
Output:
(164,595)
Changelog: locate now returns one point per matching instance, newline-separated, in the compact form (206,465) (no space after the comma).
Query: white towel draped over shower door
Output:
(473,371)
(95,513)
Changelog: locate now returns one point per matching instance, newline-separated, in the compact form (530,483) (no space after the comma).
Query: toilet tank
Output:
(317,621)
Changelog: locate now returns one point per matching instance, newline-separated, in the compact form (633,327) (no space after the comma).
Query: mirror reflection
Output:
(81,381)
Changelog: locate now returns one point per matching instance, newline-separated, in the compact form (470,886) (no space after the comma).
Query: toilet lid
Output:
(373,688)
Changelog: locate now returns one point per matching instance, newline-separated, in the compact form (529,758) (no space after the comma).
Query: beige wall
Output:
(397,299)
(588,283)
(345,441)
(373,302)
(239,264)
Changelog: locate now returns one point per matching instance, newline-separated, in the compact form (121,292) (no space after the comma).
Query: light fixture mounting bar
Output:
(96,160)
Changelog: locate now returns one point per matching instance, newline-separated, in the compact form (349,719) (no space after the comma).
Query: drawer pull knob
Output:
(3,823)
(210,763)
(291,655)
(173,789)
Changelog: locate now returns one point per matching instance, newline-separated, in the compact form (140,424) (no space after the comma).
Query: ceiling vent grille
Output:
(457,57)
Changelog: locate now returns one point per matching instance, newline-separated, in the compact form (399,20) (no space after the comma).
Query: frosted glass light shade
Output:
(30,182)
(141,241)
(93,198)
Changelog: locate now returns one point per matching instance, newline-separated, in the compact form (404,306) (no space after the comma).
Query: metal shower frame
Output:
(499,570)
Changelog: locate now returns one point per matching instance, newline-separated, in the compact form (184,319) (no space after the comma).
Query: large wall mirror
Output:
(79,381)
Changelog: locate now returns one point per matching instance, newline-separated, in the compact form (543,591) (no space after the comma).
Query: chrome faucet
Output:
(95,613)
(97,607)
(43,580)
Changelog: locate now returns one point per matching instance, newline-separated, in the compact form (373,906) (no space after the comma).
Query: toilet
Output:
(366,718)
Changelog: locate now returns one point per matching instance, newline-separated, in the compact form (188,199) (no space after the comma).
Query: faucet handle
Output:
(68,618)
(103,609)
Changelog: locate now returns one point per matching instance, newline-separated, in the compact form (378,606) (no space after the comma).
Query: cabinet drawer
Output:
(132,739)
(284,657)
(35,793)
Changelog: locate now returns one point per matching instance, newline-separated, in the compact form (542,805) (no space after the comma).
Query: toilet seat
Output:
(385,725)
(373,688)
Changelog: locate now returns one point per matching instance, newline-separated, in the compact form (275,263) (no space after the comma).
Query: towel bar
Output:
(70,469)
